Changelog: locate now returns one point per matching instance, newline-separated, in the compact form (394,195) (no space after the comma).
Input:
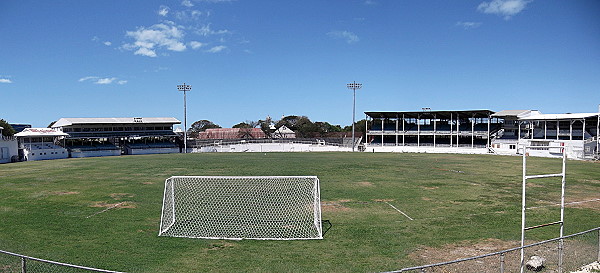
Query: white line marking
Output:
(400,211)
(111,207)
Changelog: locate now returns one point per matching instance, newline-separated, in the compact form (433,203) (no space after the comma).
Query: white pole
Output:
(418,130)
(451,121)
(396,130)
(524,182)
(403,131)
(434,128)
(562,210)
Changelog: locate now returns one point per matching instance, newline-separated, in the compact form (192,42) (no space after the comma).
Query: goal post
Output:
(242,207)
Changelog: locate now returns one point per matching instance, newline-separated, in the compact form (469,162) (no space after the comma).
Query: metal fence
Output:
(579,249)
(17,263)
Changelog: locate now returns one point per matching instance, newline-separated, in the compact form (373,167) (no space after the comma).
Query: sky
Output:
(247,60)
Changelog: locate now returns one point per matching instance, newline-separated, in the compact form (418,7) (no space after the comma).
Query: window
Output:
(512,147)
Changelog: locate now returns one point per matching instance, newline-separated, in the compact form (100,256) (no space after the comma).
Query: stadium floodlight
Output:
(184,87)
(353,86)
(242,207)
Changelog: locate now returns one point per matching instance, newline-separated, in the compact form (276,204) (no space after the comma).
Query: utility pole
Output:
(184,87)
(353,86)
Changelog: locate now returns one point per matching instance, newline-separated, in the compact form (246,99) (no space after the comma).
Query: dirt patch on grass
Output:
(573,248)
(221,245)
(429,188)
(121,196)
(63,192)
(384,200)
(451,252)
(147,183)
(334,206)
(365,184)
(102,204)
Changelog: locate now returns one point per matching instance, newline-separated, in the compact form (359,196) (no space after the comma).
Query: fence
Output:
(579,249)
(17,263)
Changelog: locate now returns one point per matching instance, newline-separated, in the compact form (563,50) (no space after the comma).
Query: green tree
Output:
(201,126)
(8,130)
(359,127)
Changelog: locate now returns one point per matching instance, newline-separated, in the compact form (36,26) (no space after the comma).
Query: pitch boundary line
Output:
(399,211)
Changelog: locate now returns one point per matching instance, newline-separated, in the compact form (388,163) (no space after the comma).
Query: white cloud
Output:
(165,35)
(163,11)
(187,3)
(5,81)
(506,8)
(370,2)
(107,43)
(217,49)
(206,30)
(345,35)
(195,44)
(105,81)
(468,25)
(190,15)
(88,78)
(98,80)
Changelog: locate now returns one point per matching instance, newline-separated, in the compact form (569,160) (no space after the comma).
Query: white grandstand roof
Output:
(40,132)
(560,116)
(72,121)
(516,113)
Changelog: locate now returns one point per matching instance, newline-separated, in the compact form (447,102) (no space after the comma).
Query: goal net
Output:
(238,207)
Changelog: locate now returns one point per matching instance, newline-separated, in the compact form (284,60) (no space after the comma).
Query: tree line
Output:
(301,125)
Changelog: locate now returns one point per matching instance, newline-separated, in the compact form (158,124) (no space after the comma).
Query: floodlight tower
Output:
(184,87)
(353,86)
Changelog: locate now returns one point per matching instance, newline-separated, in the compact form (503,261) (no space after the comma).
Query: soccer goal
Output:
(242,207)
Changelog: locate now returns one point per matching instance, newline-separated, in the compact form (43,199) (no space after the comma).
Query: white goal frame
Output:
(242,207)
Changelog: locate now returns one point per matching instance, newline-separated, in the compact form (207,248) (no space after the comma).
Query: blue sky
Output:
(249,59)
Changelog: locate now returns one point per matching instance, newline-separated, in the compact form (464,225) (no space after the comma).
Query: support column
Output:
(403,129)
(434,129)
(570,130)
(545,130)
(382,123)
(519,131)
(419,130)
(451,121)
(557,129)
(457,130)
(473,132)
(366,128)
(396,133)
(488,132)
(583,131)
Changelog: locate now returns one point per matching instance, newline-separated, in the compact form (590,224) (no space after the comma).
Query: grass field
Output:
(61,209)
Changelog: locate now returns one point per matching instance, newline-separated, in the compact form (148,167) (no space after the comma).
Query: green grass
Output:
(52,209)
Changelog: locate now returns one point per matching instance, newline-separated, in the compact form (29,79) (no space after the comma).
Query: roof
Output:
(40,132)
(73,121)
(560,116)
(511,113)
(430,114)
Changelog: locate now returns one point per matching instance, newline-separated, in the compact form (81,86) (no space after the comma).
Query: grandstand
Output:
(467,128)
(41,144)
(89,137)
(483,131)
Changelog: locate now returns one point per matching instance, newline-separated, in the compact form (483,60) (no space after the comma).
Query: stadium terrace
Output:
(426,131)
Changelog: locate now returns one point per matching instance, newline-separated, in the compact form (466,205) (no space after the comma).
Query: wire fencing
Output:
(578,250)
(17,263)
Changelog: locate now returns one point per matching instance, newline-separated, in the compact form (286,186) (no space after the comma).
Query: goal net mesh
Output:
(236,207)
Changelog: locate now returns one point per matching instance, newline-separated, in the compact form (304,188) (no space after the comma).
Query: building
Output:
(483,131)
(41,144)
(232,133)
(8,148)
(115,136)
